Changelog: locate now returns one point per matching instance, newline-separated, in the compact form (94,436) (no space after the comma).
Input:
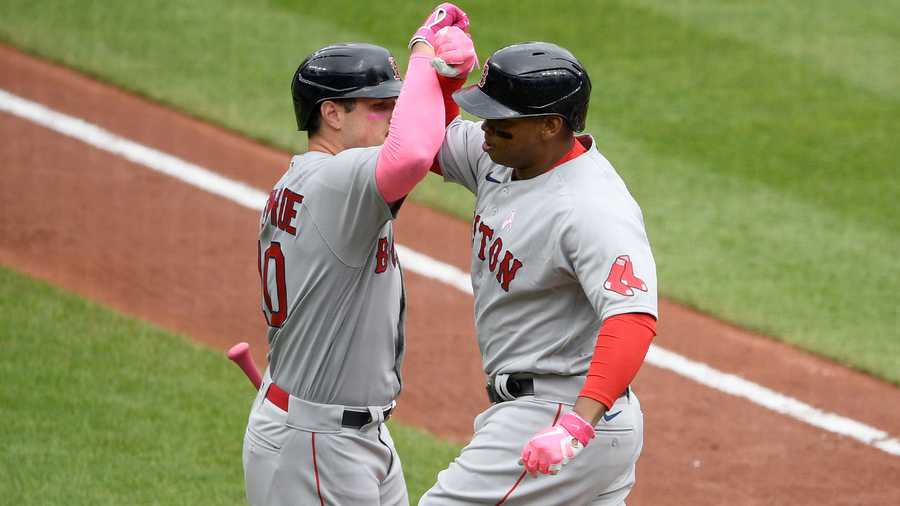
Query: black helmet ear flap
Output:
(530,79)
(352,70)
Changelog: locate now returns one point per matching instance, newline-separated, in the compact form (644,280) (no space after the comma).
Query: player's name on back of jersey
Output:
(281,209)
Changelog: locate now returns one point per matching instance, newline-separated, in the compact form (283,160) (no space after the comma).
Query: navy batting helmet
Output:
(343,71)
(530,79)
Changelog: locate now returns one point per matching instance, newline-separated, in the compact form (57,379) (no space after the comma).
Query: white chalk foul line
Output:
(252,198)
(132,151)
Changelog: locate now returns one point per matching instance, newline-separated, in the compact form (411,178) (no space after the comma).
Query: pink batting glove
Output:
(550,449)
(444,15)
(454,53)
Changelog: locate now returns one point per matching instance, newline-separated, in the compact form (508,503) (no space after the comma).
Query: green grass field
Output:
(759,137)
(100,409)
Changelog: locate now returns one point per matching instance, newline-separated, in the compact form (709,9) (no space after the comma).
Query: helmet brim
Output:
(478,103)
(384,89)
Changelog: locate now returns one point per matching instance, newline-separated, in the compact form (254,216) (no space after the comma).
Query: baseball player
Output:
(332,289)
(565,291)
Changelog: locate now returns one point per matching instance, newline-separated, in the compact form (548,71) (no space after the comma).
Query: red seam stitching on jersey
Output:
(316,471)
(522,476)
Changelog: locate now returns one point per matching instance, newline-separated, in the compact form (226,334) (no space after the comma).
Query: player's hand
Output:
(444,15)
(454,53)
(550,449)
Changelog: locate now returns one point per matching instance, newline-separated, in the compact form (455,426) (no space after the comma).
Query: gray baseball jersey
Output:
(332,286)
(552,256)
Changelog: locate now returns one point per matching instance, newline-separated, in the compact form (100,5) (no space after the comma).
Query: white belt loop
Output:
(377,414)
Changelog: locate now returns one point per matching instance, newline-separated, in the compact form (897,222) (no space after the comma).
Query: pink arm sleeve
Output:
(416,132)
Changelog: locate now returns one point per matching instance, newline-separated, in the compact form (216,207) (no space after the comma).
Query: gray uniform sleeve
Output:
(608,250)
(348,210)
(461,157)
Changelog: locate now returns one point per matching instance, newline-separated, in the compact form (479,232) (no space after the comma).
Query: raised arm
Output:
(417,124)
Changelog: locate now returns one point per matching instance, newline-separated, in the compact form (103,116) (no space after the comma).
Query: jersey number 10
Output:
(273,253)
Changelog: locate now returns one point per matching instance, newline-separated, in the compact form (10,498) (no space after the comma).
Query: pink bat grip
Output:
(240,355)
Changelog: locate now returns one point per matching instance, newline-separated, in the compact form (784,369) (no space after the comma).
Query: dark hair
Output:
(315,120)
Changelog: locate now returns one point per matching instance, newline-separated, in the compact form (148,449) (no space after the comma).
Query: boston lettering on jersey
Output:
(281,209)
(384,254)
(506,269)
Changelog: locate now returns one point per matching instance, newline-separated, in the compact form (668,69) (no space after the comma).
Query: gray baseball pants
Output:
(487,470)
(304,456)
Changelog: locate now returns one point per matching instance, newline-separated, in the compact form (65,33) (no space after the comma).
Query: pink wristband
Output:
(577,427)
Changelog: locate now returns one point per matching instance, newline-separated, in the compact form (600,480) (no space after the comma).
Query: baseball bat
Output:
(240,355)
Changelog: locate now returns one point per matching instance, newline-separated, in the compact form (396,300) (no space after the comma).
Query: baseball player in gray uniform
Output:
(565,291)
(332,290)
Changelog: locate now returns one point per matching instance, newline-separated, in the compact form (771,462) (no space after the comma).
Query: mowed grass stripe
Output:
(731,107)
(855,41)
(766,175)
(100,409)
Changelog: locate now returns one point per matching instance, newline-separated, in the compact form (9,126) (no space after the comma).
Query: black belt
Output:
(357,419)
(515,386)
(351,419)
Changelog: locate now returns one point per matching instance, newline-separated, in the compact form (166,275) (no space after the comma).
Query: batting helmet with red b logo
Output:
(530,79)
(342,71)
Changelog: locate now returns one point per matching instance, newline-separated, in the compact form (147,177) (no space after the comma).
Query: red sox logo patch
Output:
(484,73)
(394,67)
(621,278)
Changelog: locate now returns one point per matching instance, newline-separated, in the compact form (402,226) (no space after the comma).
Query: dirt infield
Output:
(153,247)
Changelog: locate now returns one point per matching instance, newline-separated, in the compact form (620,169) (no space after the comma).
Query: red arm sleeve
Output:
(622,344)
(449,86)
(451,109)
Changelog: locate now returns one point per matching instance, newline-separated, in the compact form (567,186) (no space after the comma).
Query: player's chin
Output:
(495,155)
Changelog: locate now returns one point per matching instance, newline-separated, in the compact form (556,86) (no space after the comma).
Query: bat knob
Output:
(238,350)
